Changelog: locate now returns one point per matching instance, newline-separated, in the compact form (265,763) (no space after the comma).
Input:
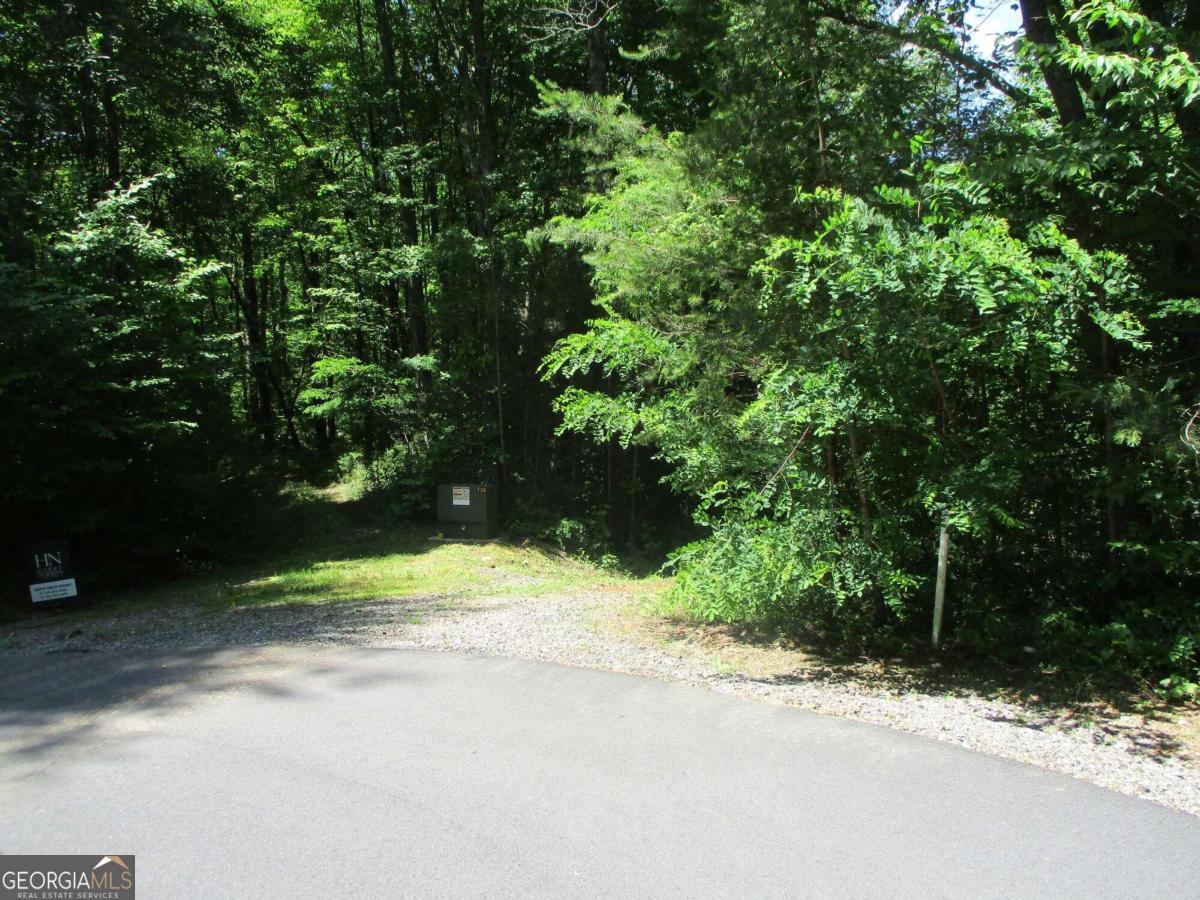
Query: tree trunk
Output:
(1064,89)
(108,102)
(1036,16)
(597,52)
(1111,514)
(482,126)
(89,111)
(256,338)
(864,501)
(395,87)
(286,402)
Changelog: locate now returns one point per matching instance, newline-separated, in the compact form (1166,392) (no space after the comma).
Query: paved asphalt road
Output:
(276,772)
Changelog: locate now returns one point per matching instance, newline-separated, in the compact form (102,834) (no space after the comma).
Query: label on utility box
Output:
(53,590)
(460,496)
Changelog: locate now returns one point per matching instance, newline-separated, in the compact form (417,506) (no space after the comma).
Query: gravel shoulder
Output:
(1123,751)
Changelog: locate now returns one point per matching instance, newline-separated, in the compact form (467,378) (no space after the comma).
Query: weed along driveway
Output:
(290,771)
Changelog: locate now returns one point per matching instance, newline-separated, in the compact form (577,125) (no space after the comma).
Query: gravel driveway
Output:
(568,629)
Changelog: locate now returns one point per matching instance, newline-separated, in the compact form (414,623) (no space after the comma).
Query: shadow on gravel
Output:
(1043,704)
(1041,699)
(193,626)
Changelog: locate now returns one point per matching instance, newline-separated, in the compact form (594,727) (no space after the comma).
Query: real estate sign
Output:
(50,573)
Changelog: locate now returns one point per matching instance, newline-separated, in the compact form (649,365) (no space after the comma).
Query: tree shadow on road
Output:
(53,701)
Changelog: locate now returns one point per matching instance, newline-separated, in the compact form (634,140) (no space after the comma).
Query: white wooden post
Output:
(939,592)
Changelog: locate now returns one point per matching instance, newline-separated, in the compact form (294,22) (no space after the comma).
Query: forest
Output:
(767,292)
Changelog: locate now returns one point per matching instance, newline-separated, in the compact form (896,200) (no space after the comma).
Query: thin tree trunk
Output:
(264,413)
(281,355)
(499,393)
(89,110)
(631,538)
(393,137)
(1111,514)
(372,123)
(112,131)
(1037,19)
(478,95)
(864,501)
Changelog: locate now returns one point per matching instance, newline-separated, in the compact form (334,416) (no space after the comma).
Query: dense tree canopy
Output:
(820,276)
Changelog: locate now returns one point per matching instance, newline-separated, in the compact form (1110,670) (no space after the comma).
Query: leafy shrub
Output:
(793,573)
(401,477)
(579,537)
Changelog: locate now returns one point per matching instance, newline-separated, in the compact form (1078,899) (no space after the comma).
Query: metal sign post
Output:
(939,592)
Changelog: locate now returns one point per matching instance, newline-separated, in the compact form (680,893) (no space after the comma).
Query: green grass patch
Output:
(375,565)
(325,548)
(436,568)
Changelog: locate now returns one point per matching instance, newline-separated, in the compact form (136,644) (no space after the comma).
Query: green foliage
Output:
(822,276)
(107,380)
(790,573)
(1138,60)
(914,359)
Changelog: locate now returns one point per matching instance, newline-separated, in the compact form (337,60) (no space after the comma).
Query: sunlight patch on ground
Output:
(374,563)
